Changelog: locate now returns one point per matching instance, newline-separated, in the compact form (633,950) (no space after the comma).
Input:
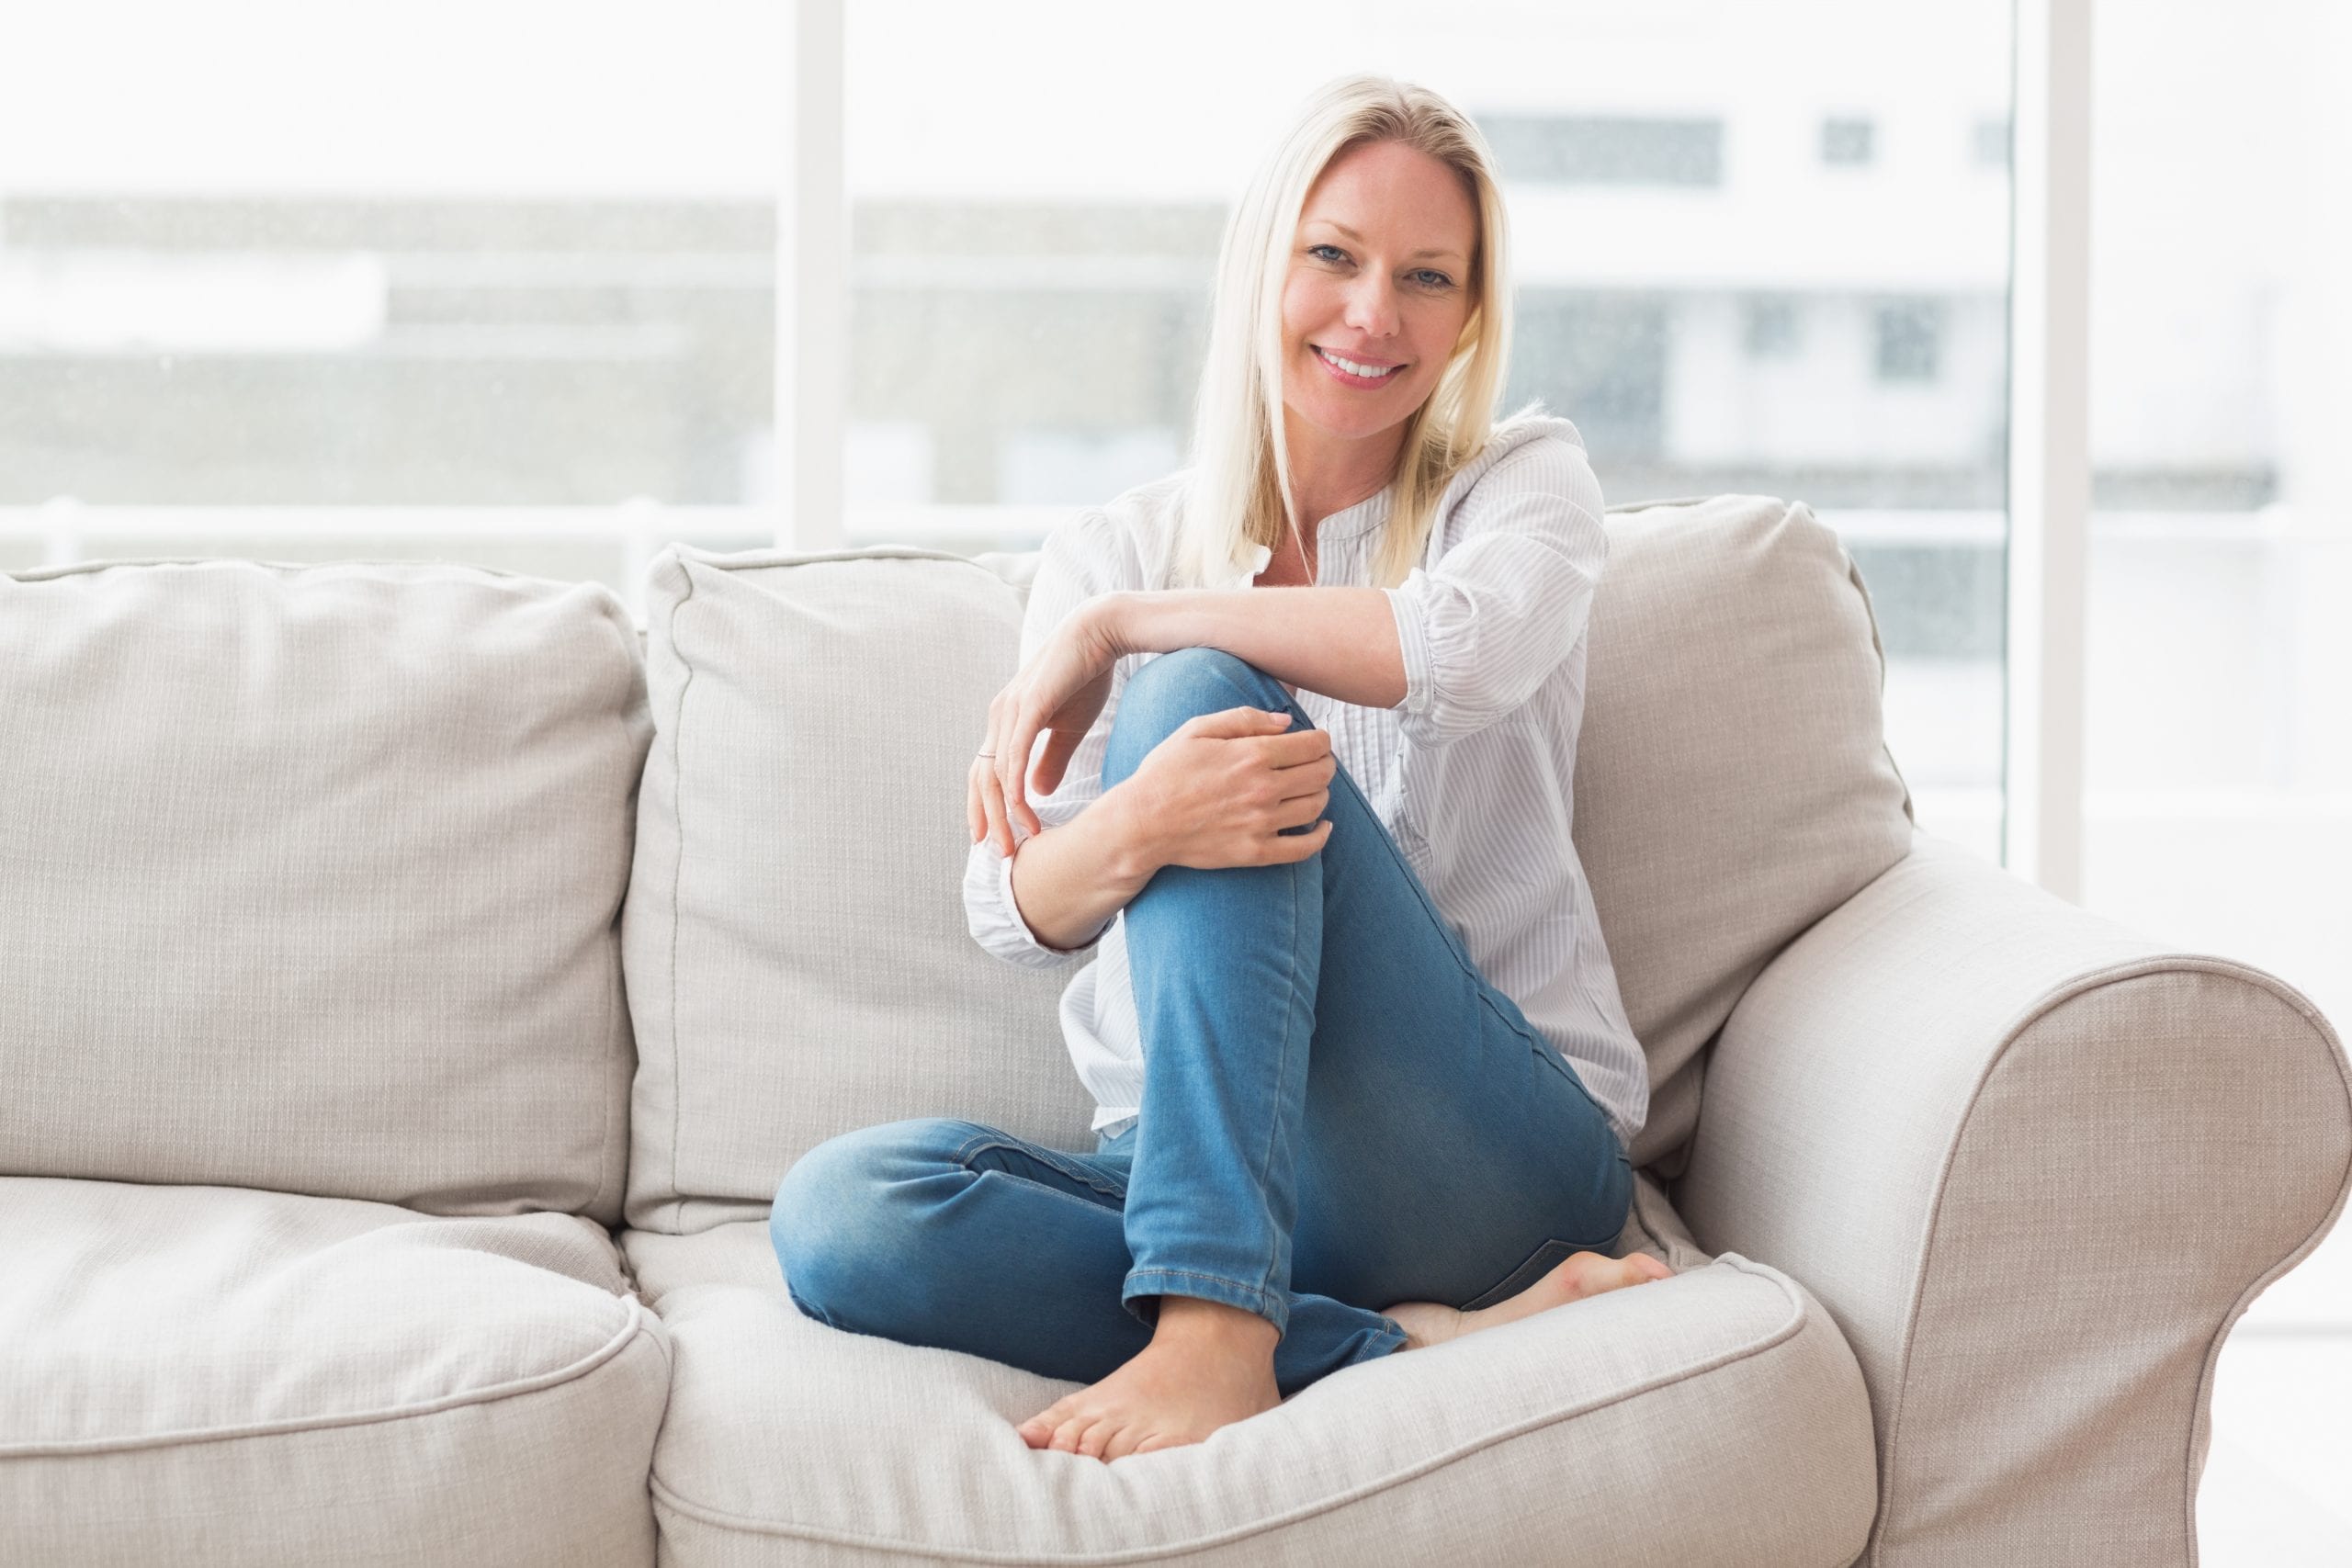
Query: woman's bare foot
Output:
(1580,1275)
(1207,1366)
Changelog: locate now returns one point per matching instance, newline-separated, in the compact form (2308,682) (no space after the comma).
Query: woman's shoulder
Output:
(1127,539)
(1530,450)
(1529,439)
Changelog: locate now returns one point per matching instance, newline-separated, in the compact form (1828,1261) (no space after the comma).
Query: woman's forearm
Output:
(1068,881)
(1340,642)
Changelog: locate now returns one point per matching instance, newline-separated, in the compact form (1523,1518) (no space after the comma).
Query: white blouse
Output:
(1472,773)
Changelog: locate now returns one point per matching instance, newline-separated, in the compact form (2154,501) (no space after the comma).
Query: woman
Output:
(1341,1101)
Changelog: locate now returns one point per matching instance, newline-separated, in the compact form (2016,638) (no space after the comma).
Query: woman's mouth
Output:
(1355,373)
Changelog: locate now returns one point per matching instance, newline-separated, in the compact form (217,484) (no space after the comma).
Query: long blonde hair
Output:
(1239,494)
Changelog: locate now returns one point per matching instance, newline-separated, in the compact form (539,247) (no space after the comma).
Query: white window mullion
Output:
(812,291)
(2048,444)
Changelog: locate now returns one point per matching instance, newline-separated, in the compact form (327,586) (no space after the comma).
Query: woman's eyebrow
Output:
(1351,234)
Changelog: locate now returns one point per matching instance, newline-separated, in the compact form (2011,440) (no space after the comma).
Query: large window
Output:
(370,279)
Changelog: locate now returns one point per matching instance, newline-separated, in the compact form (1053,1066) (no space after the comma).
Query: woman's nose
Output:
(1372,307)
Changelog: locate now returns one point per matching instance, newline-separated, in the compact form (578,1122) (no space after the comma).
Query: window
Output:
(1771,329)
(2217,801)
(1584,150)
(1908,334)
(1846,142)
(1991,143)
(451,305)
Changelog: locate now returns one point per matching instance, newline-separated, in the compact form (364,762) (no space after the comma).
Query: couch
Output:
(415,979)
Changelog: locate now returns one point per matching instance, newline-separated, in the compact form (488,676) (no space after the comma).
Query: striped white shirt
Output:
(1472,773)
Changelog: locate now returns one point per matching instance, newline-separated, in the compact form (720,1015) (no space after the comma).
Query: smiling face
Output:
(1379,277)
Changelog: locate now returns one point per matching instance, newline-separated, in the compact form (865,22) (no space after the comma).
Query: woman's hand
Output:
(1060,691)
(1224,787)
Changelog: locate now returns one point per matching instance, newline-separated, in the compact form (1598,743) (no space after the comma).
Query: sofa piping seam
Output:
(635,1318)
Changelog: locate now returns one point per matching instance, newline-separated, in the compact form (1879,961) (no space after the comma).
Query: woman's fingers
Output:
(1011,762)
(976,798)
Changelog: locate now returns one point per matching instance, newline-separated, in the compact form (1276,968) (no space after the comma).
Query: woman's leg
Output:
(1335,1100)
(952,1233)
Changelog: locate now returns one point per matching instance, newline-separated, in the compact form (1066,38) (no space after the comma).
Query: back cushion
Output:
(312,880)
(798,960)
(1733,783)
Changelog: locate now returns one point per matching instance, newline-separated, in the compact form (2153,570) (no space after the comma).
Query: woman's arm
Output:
(1341,642)
(1086,867)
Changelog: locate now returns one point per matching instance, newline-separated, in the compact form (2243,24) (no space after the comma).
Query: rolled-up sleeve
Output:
(1509,596)
(1080,559)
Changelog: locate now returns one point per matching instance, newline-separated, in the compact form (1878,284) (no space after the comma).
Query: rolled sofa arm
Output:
(2035,1166)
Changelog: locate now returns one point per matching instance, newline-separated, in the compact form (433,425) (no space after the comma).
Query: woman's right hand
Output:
(1218,791)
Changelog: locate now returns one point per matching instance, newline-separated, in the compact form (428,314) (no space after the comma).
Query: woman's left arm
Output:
(1341,642)
(1456,647)
(1508,600)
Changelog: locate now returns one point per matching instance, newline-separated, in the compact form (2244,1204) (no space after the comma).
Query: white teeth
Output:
(1352,368)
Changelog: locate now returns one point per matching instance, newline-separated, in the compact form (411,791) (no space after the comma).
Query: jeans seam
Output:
(1048,1188)
(1282,1073)
(992,1141)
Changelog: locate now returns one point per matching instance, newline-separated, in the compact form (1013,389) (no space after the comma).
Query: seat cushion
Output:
(1713,1417)
(312,880)
(202,1375)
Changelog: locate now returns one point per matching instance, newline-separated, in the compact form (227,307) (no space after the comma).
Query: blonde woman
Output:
(1302,723)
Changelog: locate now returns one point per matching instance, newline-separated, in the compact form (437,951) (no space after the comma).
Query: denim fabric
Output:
(1339,1113)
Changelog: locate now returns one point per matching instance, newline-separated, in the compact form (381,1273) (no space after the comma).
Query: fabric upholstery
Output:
(1732,782)
(2037,1166)
(312,880)
(798,959)
(216,1376)
(1712,1418)
(817,716)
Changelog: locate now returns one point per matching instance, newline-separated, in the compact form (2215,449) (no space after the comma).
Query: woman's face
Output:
(1379,276)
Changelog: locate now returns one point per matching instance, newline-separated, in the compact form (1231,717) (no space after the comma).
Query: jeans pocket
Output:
(1546,1258)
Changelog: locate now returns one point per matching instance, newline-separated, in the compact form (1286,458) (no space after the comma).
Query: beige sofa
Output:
(414,981)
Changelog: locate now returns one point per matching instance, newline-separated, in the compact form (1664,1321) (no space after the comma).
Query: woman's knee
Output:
(839,1217)
(1174,687)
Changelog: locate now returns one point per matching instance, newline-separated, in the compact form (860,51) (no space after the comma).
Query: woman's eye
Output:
(1434,279)
(1333,249)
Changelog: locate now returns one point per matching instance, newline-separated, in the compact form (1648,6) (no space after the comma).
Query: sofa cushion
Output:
(313,876)
(1732,782)
(1715,1417)
(799,963)
(203,1375)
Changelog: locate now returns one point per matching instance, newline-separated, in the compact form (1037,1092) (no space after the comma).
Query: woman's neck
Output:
(1328,474)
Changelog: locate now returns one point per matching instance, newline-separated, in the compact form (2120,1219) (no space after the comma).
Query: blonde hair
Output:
(1239,494)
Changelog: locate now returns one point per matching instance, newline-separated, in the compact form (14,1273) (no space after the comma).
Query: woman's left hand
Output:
(1060,691)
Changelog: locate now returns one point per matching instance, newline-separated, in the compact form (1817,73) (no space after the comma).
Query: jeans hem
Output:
(1269,1304)
(1389,1344)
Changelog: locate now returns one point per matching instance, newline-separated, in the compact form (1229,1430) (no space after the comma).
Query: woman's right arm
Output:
(1088,859)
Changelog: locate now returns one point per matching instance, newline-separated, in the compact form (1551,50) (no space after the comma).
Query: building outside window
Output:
(1907,334)
(1845,140)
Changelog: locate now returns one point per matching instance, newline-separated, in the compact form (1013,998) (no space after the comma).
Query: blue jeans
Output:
(1338,1113)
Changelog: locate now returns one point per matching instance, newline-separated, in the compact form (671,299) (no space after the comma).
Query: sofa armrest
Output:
(2035,1166)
